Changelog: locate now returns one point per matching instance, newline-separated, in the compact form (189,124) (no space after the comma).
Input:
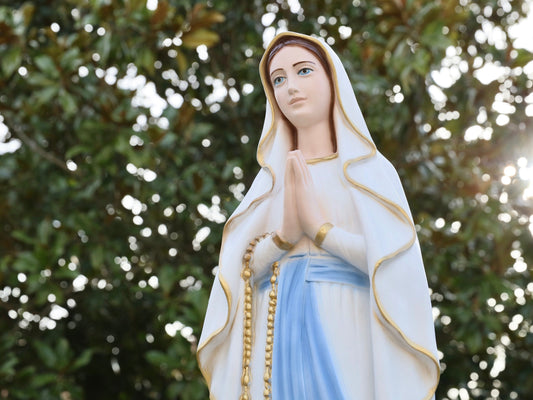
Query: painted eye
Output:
(305,71)
(278,80)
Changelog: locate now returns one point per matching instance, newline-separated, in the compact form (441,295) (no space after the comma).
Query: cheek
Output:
(280,99)
(325,91)
(321,92)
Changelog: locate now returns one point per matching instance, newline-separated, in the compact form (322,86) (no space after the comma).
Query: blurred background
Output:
(128,131)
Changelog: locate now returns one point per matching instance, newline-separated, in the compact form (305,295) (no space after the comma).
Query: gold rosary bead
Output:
(272,294)
(270,325)
(269,340)
(244,377)
(247,257)
(271,309)
(268,350)
(270,332)
(266,393)
(247,324)
(266,377)
(248,290)
(270,318)
(247,273)
(268,363)
(248,315)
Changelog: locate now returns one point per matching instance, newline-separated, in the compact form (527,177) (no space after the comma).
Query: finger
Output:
(289,185)
(298,173)
(304,170)
(288,168)
(303,166)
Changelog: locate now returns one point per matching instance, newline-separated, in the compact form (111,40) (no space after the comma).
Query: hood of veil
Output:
(403,323)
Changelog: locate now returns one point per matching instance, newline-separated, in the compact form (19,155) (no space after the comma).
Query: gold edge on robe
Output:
(402,215)
(321,159)
(227,293)
(434,388)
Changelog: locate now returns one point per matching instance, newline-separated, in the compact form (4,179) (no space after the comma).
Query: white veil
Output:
(403,338)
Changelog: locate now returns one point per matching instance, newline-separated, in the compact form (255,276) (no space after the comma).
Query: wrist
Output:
(280,241)
(321,233)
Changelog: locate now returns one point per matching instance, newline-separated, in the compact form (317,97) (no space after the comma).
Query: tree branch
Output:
(39,150)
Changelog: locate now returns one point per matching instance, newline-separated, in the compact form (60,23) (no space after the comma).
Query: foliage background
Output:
(125,146)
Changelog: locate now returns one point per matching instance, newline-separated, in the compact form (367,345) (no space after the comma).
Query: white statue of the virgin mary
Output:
(321,291)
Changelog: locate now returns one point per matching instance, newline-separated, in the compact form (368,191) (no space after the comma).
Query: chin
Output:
(300,118)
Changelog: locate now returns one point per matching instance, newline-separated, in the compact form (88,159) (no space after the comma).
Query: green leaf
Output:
(195,38)
(103,46)
(97,258)
(45,95)
(182,63)
(68,103)
(421,62)
(44,229)
(156,357)
(71,59)
(26,262)
(77,150)
(83,359)
(45,353)
(146,59)
(40,79)
(23,237)
(11,60)
(7,367)
(46,65)
(167,278)
(41,380)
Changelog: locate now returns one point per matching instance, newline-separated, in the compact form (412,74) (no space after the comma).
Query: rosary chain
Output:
(247,324)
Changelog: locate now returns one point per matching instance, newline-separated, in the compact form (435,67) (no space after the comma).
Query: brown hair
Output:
(321,56)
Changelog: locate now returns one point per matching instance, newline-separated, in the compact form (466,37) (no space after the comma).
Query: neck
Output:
(315,141)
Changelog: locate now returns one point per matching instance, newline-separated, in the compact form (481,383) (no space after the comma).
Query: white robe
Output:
(344,309)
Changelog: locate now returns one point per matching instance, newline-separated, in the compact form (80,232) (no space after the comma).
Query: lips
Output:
(295,100)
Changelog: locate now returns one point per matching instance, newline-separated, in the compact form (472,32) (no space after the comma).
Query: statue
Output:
(321,291)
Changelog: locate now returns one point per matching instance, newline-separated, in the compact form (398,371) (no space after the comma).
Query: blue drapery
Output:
(303,367)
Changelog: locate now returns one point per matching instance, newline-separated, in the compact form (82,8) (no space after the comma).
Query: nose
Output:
(291,86)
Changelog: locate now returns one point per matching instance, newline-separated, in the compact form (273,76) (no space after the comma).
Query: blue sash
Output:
(302,364)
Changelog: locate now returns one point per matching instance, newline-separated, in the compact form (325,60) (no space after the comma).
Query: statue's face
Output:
(301,86)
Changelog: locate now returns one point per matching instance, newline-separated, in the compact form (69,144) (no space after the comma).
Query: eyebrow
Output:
(294,65)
